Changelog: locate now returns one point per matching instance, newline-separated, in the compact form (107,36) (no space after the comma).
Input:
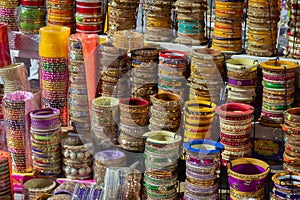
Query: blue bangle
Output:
(217,146)
(286,195)
(191,27)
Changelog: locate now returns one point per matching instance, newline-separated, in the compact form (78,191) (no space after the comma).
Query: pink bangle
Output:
(173,54)
(235,109)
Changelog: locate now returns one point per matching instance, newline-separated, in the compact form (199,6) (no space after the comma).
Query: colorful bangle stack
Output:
(263,16)
(61,12)
(113,66)
(122,15)
(286,185)
(191,26)
(89,16)
(206,74)
(14,77)
(235,128)
(134,120)
(278,90)
(241,80)
(247,178)
(202,163)
(106,159)
(172,72)
(6,181)
(16,106)
(7,13)
(161,157)
(105,112)
(165,112)
(33,188)
(144,73)
(122,183)
(228,26)
(83,191)
(5,59)
(198,118)
(77,158)
(46,142)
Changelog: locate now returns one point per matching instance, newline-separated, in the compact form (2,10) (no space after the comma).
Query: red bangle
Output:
(88,4)
(173,54)
(66,13)
(88,27)
(36,3)
(235,109)
(234,136)
(234,144)
(88,10)
(241,118)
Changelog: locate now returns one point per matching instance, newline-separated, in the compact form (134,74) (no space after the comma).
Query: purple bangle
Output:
(45,119)
(200,176)
(50,76)
(204,189)
(108,155)
(241,82)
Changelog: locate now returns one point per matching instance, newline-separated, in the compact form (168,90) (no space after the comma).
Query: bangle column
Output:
(7,13)
(6,189)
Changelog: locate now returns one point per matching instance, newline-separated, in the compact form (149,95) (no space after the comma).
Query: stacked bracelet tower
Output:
(198,118)
(16,106)
(247,178)
(5,59)
(105,112)
(61,12)
(278,90)
(106,159)
(161,157)
(144,72)
(54,69)
(6,181)
(7,13)
(206,74)
(241,80)
(235,128)
(191,26)
(202,164)
(292,150)
(113,66)
(89,17)
(32,16)
(286,185)
(165,112)
(263,16)
(122,15)
(228,26)
(158,20)
(134,120)
(172,72)
(77,158)
(46,142)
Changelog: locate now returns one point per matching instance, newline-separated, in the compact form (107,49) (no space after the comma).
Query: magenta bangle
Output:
(278,78)
(45,119)
(200,176)
(241,82)
(235,136)
(267,114)
(200,162)
(234,144)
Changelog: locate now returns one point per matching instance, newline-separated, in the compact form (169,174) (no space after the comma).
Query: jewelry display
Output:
(286,185)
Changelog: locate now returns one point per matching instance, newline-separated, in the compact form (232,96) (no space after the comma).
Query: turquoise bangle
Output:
(190,21)
(191,27)
(195,31)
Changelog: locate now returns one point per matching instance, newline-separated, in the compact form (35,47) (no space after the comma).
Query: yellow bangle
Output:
(279,65)
(162,137)
(200,106)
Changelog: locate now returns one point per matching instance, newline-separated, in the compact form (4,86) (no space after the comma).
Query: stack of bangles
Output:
(286,186)
(198,118)
(191,26)
(278,90)
(77,158)
(89,16)
(61,12)
(241,80)
(33,188)
(172,72)
(5,58)
(247,178)
(6,181)
(83,191)
(161,157)
(113,67)
(7,13)
(235,128)
(16,106)
(134,120)
(165,112)
(202,165)
(105,112)
(228,26)
(122,15)
(291,127)
(45,142)
(158,20)
(105,159)
(144,72)
(263,16)
(206,75)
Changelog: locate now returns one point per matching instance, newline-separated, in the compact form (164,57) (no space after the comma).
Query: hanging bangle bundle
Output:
(105,159)
(191,26)
(144,73)
(278,90)
(286,185)
(45,142)
(241,80)
(161,157)
(172,72)
(7,13)
(6,181)
(247,178)
(235,127)
(105,111)
(5,59)
(202,155)
(33,188)
(134,120)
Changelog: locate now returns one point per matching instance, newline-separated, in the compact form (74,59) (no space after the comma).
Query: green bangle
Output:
(160,196)
(160,181)
(273,85)
(276,107)
(160,160)
(161,188)
(32,13)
